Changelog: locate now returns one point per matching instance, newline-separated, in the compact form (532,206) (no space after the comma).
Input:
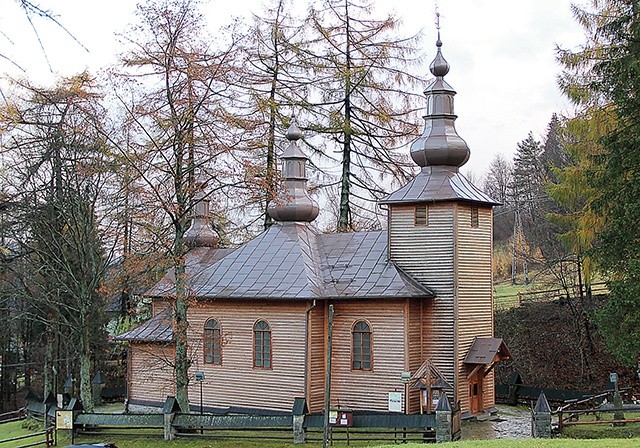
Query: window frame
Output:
(262,332)
(475,216)
(361,346)
(420,221)
(213,338)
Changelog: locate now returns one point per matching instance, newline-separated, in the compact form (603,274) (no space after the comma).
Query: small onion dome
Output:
(440,144)
(439,66)
(200,233)
(293,202)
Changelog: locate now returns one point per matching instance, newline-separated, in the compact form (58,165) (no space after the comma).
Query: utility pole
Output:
(327,380)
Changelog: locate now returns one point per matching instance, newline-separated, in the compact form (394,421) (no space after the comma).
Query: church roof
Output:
(157,329)
(436,183)
(439,151)
(292,261)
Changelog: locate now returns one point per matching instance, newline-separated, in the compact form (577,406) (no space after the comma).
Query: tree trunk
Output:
(86,395)
(181,324)
(344,220)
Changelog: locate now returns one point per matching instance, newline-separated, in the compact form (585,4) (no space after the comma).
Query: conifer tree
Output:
(182,128)
(363,99)
(604,78)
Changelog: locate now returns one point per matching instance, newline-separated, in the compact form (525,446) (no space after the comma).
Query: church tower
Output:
(440,232)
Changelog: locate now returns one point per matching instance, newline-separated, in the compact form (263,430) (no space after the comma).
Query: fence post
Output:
(299,411)
(169,410)
(443,420)
(541,418)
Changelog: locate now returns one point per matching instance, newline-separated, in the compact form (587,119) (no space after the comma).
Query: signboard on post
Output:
(395,401)
(64,419)
(338,417)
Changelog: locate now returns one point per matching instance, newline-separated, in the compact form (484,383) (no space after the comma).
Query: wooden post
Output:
(327,379)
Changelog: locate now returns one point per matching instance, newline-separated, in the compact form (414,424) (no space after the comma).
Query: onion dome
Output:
(293,202)
(200,233)
(440,144)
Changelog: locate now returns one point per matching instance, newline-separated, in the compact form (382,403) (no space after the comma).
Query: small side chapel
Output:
(413,304)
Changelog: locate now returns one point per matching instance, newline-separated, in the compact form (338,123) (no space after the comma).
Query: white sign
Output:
(395,401)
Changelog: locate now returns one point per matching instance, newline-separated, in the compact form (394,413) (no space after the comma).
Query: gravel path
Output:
(509,423)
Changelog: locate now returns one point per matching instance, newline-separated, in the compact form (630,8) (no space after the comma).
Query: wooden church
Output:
(413,305)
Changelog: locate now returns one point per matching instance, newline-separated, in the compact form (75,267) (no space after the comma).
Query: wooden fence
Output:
(572,417)
(48,440)
(547,295)
(13,416)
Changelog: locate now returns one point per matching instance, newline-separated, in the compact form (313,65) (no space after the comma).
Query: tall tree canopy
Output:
(362,99)
(55,148)
(177,94)
(604,77)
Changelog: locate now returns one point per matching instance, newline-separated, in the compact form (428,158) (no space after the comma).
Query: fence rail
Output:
(48,441)
(13,416)
(570,417)
(512,300)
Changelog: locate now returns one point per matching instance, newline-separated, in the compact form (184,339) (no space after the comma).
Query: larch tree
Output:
(602,183)
(177,94)
(58,162)
(363,100)
(274,88)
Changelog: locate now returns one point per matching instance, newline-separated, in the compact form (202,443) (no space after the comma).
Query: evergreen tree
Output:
(274,88)
(59,166)
(526,187)
(604,77)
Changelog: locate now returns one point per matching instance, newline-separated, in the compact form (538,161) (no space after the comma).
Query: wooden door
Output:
(475,394)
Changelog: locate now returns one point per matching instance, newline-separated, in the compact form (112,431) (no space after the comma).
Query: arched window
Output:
(361,355)
(212,342)
(262,345)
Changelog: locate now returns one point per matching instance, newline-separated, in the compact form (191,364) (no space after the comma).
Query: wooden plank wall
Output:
(415,351)
(151,376)
(316,361)
(427,253)
(368,390)
(236,382)
(474,292)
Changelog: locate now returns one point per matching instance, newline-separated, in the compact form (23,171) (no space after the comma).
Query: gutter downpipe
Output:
(306,349)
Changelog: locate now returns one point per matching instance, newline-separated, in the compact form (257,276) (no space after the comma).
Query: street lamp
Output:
(406,378)
(200,379)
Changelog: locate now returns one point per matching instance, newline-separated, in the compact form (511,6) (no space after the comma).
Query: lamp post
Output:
(200,379)
(406,378)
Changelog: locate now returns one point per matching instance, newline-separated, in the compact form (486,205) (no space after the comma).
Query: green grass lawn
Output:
(13,429)
(532,443)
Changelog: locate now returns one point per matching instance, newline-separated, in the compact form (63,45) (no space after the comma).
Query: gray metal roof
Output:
(439,183)
(157,329)
(440,151)
(294,261)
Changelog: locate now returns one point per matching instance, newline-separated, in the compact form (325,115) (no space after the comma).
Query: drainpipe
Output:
(306,348)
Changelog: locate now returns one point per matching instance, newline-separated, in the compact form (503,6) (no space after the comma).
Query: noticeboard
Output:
(395,401)
(64,419)
(340,418)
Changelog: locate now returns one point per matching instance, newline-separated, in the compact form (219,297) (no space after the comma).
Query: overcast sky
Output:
(501,52)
